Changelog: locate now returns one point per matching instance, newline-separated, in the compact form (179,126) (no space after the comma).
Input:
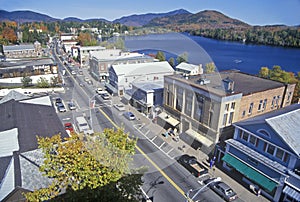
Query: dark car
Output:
(58,101)
(192,165)
(222,189)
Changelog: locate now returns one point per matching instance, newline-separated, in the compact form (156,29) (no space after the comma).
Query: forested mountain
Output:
(25,16)
(203,19)
(143,19)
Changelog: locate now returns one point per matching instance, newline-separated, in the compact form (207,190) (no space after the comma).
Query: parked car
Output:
(129,115)
(73,72)
(58,100)
(71,106)
(61,107)
(99,90)
(119,107)
(69,127)
(192,165)
(222,189)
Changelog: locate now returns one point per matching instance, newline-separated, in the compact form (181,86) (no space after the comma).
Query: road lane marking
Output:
(149,159)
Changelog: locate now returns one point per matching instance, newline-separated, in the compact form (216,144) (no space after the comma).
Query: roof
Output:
(284,122)
(18,47)
(243,83)
(26,63)
(92,48)
(13,95)
(149,86)
(30,119)
(187,67)
(143,68)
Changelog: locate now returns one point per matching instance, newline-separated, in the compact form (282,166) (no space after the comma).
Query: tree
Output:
(55,81)
(182,58)
(89,167)
(210,67)
(160,56)
(120,44)
(43,83)
(264,72)
(172,62)
(26,81)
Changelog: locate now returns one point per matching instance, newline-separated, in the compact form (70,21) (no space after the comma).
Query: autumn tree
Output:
(43,83)
(210,67)
(9,34)
(264,72)
(86,39)
(89,168)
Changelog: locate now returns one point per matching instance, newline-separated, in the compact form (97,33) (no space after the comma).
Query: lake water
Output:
(226,55)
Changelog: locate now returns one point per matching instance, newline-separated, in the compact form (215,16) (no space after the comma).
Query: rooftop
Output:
(187,67)
(26,62)
(149,86)
(143,68)
(21,47)
(284,121)
(243,83)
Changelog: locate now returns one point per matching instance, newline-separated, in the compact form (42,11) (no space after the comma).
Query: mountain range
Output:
(132,20)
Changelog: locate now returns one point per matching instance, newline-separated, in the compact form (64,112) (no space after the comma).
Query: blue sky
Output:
(254,12)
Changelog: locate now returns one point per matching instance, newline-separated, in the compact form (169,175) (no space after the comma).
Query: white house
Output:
(122,76)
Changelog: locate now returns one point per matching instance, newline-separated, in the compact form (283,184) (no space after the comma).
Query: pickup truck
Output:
(192,165)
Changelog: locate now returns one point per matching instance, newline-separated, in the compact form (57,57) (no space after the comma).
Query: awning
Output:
(110,87)
(204,140)
(250,172)
(292,193)
(167,118)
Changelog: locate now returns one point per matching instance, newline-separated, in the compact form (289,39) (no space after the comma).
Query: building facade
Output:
(206,105)
(101,61)
(122,76)
(265,153)
(24,50)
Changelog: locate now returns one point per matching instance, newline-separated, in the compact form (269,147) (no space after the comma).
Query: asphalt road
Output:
(165,179)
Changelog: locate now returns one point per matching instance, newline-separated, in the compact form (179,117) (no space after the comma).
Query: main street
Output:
(165,179)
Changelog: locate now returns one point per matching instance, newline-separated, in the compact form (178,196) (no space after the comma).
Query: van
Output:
(82,124)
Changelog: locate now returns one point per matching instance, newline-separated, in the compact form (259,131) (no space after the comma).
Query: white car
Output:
(119,107)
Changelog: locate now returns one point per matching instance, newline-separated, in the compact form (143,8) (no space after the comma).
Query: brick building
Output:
(206,105)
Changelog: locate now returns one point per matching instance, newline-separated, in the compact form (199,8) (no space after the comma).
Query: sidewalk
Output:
(182,148)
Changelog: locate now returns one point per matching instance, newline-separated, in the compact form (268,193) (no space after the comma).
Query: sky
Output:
(253,12)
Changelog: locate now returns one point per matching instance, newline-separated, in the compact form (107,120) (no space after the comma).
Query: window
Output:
(264,104)
(273,102)
(264,132)
(241,133)
(253,140)
(271,149)
(226,107)
(286,157)
(224,119)
(289,97)
(233,105)
(279,153)
(250,108)
(244,113)
(260,105)
(245,136)
(230,118)
(188,107)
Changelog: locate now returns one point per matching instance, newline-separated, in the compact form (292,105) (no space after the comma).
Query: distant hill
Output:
(143,19)
(30,16)
(203,19)
(25,16)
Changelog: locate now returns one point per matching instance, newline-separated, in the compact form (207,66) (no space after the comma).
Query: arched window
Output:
(264,132)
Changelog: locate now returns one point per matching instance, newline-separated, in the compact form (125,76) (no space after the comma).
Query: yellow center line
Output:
(148,158)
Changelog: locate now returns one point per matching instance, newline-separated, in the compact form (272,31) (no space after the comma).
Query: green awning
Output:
(250,172)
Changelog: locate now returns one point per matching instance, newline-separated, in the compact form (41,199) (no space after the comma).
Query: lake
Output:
(226,55)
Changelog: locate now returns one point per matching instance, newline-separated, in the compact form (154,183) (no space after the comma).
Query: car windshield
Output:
(228,192)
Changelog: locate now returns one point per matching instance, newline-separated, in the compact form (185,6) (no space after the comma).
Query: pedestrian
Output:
(258,192)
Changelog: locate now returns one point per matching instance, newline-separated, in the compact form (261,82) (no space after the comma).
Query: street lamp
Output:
(92,105)
(188,199)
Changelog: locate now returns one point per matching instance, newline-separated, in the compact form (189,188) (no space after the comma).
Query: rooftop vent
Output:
(228,85)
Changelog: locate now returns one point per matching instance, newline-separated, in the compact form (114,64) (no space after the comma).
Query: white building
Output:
(122,76)
(189,69)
